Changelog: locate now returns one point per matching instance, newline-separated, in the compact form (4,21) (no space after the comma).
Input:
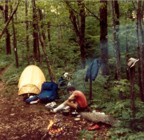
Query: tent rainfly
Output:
(31,80)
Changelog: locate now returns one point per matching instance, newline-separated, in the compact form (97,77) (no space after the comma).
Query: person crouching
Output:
(77,101)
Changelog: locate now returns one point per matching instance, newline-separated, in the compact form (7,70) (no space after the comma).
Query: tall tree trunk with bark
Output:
(127,51)
(78,22)
(115,19)
(7,39)
(15,42)
(27,28)
(51,74)
(42,38)
(9,19)
(140,36)
(36,51)
(82,31)
(41,16)
(103,37)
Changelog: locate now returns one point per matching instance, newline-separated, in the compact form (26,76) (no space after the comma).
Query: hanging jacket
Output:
(92,70)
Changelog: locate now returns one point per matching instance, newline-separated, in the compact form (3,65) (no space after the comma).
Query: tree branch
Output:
(10,18)
(70,7)
(92,13)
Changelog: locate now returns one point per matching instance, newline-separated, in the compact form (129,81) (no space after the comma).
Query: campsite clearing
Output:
(21,121)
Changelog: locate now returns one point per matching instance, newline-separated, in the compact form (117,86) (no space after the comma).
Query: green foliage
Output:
(122,86)
(100,87)
(120,109)
(78,79)
(129,127)
(135,136)
(106,97)
(122,133)
(64,55)
(11,76)
(5,60)
(85,134)
(140,109)
(126,8)
(119,133)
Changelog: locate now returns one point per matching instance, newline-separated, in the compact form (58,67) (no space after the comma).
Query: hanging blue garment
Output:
(92,70)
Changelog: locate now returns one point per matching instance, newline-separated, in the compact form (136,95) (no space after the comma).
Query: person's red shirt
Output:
(80,99)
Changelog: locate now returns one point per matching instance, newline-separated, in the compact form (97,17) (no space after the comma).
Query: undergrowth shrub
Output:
(135,136)
(12,74)
(129,126)
(87,135)
(100,91)
(120,88)
(5,60)
(78,80)
(113,97)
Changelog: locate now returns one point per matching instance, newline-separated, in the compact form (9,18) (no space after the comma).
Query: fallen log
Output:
(99,117)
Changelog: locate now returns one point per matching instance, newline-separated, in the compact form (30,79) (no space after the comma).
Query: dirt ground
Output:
(21,121)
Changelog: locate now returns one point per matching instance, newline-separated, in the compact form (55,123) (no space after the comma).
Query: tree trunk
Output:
(132,94)
(82,31)
(79,27)
(27,28)
(103,37)
(140,36)
(49,34)
(7,39)
(51,74)
(15,42)
(41,16)
(36,51)
(42,41)
(127,51)
(115,17)
(9,19)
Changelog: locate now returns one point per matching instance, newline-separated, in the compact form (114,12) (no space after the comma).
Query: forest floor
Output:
(21,121)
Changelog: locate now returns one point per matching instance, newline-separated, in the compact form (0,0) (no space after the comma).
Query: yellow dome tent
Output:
(31,80)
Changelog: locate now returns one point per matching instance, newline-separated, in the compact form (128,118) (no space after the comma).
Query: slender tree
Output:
(49,33)
(14,41)
(27,28)
(9,19)
(115,19)
(36,51)
(103,37)
(78,22)
(42,40)
(41,16)
(7,39)
(140,36)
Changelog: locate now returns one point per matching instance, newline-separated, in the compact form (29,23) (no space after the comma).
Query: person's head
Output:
(70,89)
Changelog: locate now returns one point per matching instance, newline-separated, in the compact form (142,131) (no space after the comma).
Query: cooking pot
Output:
(65,112)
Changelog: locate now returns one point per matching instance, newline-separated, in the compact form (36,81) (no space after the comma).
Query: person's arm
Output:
(71,98)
